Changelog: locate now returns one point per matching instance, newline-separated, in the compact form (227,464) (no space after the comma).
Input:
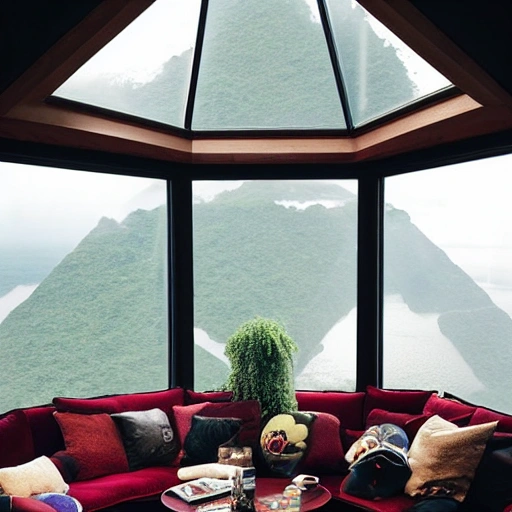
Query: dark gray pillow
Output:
(148,438)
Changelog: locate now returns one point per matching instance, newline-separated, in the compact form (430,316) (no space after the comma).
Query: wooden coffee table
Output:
(265,488)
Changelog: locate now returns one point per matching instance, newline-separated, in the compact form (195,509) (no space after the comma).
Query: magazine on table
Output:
(201,489)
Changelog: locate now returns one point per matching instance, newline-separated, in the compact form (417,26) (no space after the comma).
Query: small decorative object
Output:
(240,501)
(306,482)
(261,357)
(235,456)
(292,494)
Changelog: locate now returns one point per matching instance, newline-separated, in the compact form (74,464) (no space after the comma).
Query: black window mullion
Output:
(370,281)
(181,285)
(189,112)
(335,62)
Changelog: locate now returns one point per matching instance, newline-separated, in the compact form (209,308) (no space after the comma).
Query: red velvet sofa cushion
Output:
(449,409)
(107,491)
(411,402)
(249,411)
(16,445)
(46,433)
(164,400)
(484,415)
(410,423)
(347,407)
(325,452)
(198,397)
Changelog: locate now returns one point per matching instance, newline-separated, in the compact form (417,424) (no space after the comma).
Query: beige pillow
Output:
(34,477)
(443,457)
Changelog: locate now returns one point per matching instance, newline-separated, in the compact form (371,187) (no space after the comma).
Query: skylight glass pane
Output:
(265,65)
(380,72)
(144,71)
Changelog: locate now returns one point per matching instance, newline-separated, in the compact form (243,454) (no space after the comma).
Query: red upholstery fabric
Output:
(164,400)
(197,397)
(325,452)
(449,409)
(410,423)
(29,505)
(94,442)
(46,434)
(110,490)
(16,446)
(347,407)
(484,415)
(411,402)
(249,411)
(349,437)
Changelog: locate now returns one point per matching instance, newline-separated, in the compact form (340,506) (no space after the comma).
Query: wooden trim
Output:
(47,123)
(421,35)
(449,121)
(72,51)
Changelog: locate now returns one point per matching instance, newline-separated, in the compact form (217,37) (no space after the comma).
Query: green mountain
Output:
(99,320)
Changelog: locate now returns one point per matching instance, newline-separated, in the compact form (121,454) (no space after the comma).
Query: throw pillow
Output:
(484,415)
(94,442)
(284,442)
(34,477)
(249,411)
(325,453)
(148,438)
(60,502)
(411,402)
(346,406)
(206,435)
(443,457)
(198,397)
(410,423)
(379,467)
(449,409)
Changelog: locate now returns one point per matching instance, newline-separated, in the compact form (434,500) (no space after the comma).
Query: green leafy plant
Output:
(261,357)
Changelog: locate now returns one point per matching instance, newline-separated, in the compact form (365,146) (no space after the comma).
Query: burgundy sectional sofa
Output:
(107,478)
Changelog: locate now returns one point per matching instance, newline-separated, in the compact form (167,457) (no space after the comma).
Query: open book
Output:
(202,489)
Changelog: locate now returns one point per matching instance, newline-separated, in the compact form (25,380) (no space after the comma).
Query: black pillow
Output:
(435,504)
(148,438)
(206,434)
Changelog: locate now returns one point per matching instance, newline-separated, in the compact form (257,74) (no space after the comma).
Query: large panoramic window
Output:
(83,298)
(284,250)
(448,281)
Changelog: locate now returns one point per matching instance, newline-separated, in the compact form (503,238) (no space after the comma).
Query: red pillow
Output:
(93,441)
(449,409)
(484,415)
(346,406)
(410,423)
(164,400)
(249,411)
(325,452)
(349,437)
(197,397)
(411,402)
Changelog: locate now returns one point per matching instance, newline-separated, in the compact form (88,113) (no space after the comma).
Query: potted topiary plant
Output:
(261,357)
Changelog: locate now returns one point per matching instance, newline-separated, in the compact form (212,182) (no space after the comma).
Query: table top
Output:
(265,489)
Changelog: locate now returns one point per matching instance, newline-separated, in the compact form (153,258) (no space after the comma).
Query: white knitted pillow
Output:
(34,477)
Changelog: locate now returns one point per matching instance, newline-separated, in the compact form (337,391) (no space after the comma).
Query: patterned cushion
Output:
(284,442)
